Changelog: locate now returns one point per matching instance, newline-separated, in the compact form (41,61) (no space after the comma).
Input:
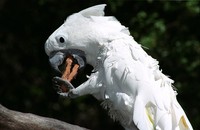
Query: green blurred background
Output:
(169,29)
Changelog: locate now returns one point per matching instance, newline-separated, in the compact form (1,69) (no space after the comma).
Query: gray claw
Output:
(63,94)
(68,94)
(59,81)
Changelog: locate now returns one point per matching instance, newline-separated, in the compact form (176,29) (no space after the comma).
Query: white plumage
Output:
(126,79)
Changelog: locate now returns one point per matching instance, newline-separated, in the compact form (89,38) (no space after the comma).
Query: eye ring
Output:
(61,39)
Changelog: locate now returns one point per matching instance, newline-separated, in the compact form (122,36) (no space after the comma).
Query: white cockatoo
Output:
(125,78)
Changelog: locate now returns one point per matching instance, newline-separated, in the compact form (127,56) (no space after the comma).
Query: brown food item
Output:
(69,72)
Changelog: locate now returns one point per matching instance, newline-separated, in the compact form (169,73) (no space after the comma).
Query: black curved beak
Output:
(57,58)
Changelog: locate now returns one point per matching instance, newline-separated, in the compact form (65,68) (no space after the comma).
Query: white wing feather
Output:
(155,105)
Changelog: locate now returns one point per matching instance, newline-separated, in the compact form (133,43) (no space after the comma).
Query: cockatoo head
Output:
(81,36)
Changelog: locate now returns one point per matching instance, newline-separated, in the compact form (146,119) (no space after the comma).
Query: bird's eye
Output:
(61,40)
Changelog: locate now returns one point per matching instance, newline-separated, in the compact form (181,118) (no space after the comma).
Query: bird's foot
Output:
(62,85)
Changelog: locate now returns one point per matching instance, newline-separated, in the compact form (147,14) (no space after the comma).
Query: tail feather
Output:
(181,118)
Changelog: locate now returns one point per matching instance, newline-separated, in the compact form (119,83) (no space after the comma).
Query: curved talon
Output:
(57,88)
(63,94)
(61,82)
(68,94)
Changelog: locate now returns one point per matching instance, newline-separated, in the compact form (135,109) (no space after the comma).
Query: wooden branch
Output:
(13,120)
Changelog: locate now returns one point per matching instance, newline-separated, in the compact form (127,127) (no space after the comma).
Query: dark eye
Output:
(61,40)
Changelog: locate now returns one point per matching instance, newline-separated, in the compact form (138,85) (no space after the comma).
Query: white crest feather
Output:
(97,10)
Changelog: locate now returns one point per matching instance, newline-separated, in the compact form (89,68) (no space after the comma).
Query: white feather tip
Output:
(97,10)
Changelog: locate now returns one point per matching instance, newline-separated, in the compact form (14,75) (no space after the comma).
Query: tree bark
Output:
(13,120)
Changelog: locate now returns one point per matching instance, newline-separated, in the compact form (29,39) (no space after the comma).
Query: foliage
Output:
(170,31)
